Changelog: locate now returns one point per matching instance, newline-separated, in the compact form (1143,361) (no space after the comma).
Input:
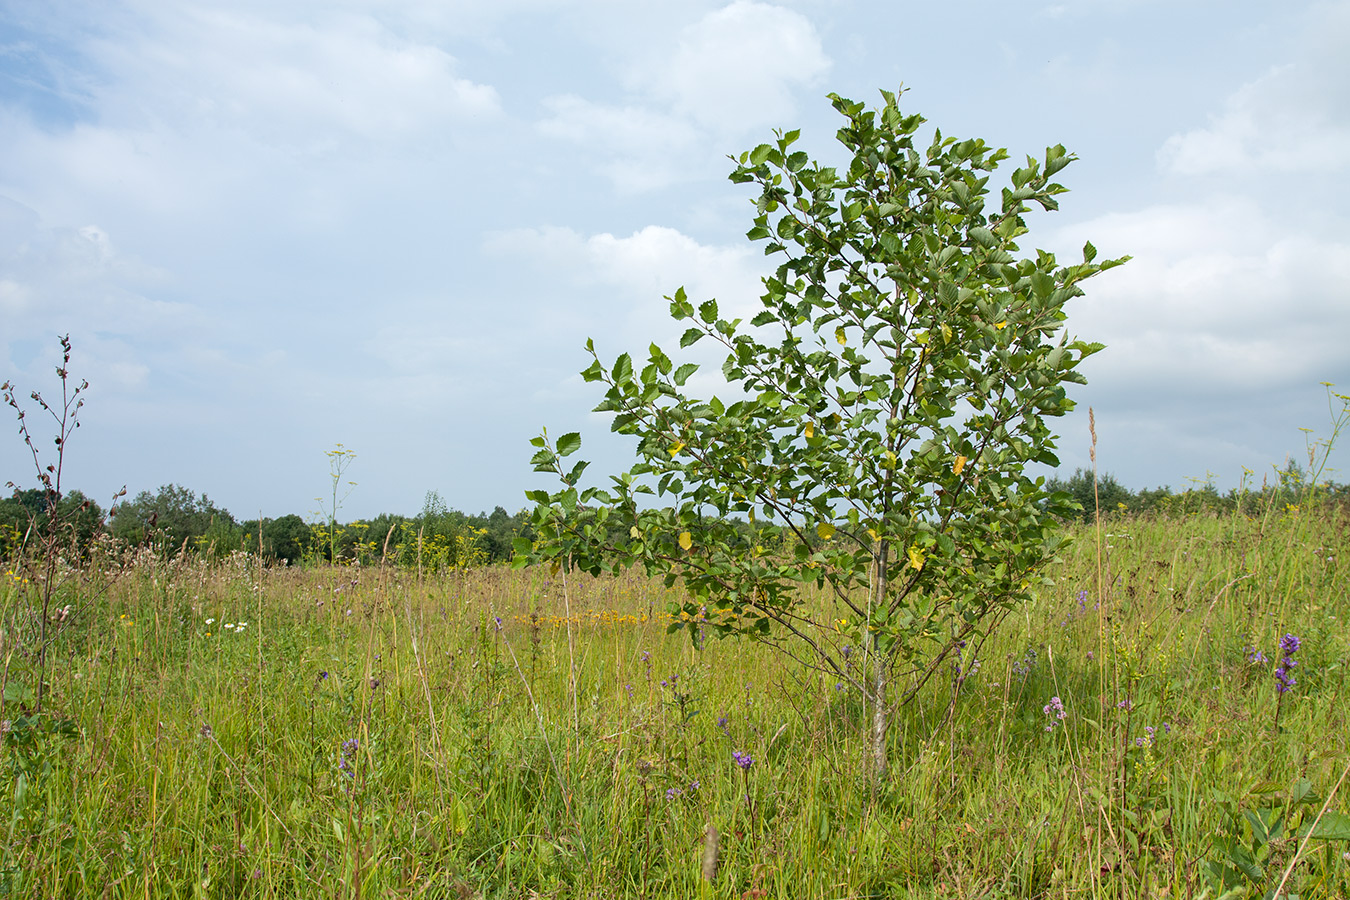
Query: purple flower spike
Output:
(1284,678)
(743,760)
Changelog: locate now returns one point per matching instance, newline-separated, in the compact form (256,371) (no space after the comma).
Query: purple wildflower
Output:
(743,760)
(1054,712)
(1284,678)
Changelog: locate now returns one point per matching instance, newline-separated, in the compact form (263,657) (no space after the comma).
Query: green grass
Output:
(208,762)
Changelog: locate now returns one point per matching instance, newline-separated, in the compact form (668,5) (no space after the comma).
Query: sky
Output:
(270,228)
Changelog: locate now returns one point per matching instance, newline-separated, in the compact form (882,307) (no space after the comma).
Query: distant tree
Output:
(24,514)
(287,538)
(1108,494)
(173,517)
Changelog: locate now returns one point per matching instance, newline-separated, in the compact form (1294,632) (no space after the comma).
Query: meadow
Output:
(234,730)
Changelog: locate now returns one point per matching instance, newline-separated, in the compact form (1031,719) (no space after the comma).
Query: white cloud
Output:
(1220,296)
(643,149)
(305,84)
(735,71)
(737,68)
(646,265)
(1266,126)
(1292,119)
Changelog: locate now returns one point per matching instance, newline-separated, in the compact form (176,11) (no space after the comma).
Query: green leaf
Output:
(623,369)
(983,237)
(17,692)
(683,372)
(760,154)
(1332,826)
(569,443)
(690,337)
(708,312)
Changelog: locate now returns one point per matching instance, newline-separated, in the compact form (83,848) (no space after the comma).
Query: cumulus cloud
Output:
(73,279)
(1268,125)
(294,83)
(1294,118)
(649,263)
(1221,296)
(737,68)
(735,71)
(642,148)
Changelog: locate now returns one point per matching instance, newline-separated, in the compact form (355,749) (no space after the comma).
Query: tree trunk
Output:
(881,720)
(879,674)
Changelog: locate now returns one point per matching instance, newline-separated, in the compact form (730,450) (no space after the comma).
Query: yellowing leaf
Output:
(633,532)
(960,464)
(872,533)
(674,451)
(916,558)
(890,459)
(686,540)
(840,336)
(946,332)
(809,430)
(1000,325)
(825,530)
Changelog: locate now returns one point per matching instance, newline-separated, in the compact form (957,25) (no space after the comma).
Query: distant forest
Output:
(175,520)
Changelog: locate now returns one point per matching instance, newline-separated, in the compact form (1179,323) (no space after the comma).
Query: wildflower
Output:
(1284,678)
(1254,656)
(743,760)
(323,676)
(497,620)
(208,621)
(349,748)
(1054,712)
(672,793)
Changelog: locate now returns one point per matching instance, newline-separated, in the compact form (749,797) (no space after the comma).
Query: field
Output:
(229,730)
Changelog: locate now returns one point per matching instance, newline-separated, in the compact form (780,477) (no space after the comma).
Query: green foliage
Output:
(174,518)
(892,391)
(1108,494)
(1263,828)
(24,515)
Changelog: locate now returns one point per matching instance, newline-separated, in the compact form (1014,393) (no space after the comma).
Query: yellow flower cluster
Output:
(599,617)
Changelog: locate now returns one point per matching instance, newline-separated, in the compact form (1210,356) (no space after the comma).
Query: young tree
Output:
(891,393)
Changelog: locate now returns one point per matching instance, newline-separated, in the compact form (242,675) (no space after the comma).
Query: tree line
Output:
(175,520)
(1290,486)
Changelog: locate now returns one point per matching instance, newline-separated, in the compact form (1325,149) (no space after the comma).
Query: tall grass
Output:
(235,731)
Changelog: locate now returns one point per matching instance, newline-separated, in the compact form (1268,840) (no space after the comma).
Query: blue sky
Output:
(273,227)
